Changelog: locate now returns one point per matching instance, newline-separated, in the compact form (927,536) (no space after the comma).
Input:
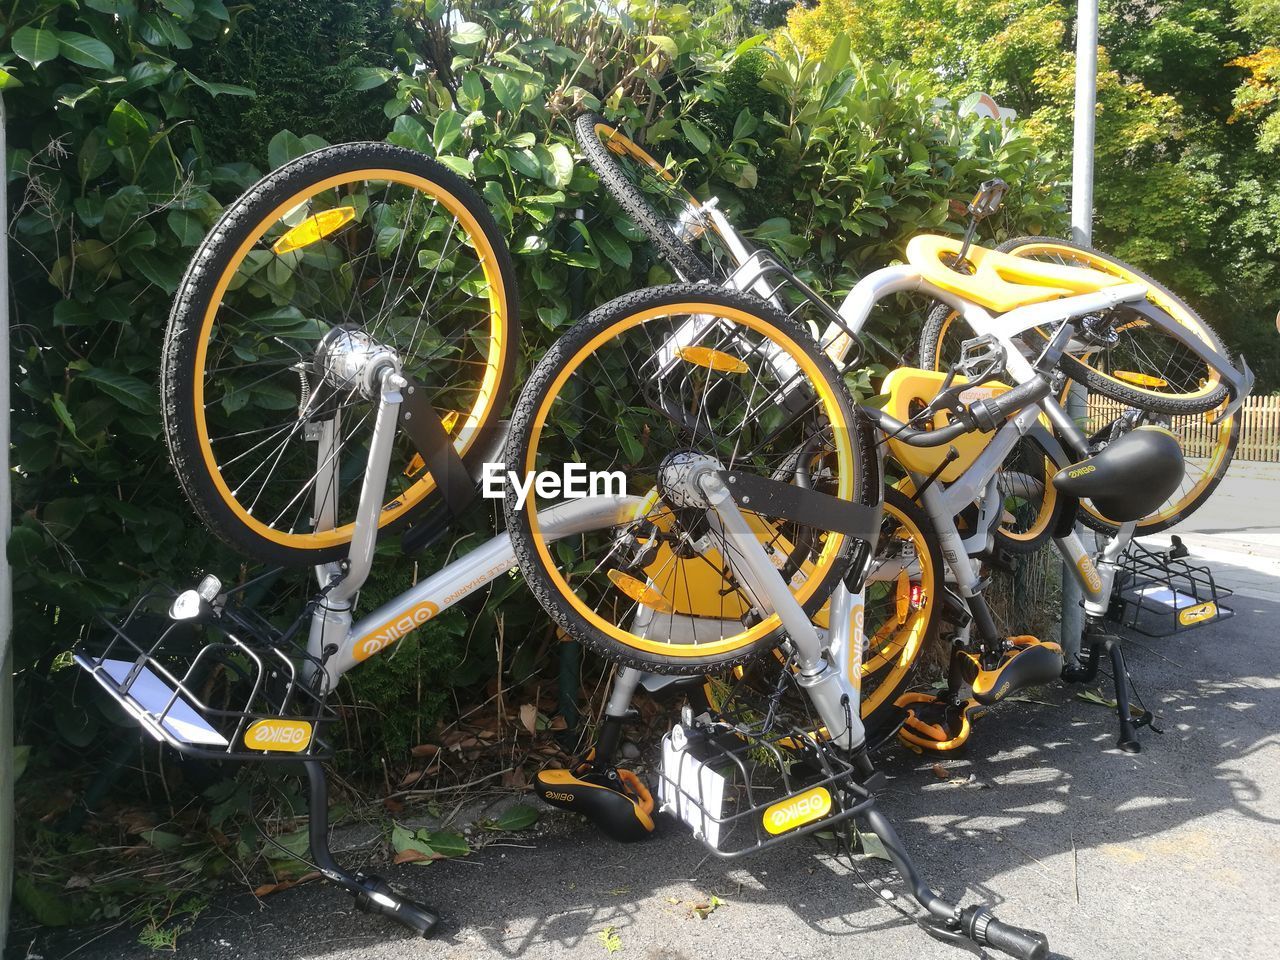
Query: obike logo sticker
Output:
(797,811)
(1092,579)
(280,736)
(393,630)
(1082,471)
(857,645)
(1198,614)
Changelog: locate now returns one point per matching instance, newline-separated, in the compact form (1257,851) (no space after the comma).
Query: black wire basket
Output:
(209,678)
(754,773)
(1160,593)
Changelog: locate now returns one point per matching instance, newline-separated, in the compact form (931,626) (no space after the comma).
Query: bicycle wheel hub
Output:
(679,478)
(348,358)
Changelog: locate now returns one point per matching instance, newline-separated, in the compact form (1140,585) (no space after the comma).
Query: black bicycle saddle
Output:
(1130,477)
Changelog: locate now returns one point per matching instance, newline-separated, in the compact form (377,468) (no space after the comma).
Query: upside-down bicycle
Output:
(339,354)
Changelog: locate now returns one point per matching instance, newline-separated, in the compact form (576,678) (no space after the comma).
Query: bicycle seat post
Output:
(331,620)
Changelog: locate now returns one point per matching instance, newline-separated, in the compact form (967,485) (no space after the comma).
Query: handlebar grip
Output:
(989,414)
(1015,941)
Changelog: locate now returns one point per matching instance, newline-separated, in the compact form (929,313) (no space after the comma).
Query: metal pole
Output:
(1081,232)
(6,581)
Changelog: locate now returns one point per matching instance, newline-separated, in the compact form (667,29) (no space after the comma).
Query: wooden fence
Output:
(1259,434)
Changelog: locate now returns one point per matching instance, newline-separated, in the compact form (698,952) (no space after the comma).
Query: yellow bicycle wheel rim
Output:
(832,545)
(486,395)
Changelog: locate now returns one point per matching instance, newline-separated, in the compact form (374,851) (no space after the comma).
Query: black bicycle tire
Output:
(530,401)
(678,254)
(198,284)
(1083,373)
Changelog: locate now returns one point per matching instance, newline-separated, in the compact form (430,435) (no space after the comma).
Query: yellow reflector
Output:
(314,228)
(797,811)
(712,359)
(1140,379)
(640,592)
(903,596)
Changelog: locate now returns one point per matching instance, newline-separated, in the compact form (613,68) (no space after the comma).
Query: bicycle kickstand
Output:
(1088,671)
(373,894)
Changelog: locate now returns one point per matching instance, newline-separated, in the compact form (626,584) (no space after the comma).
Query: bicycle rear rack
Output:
(1160,593)
(208,678)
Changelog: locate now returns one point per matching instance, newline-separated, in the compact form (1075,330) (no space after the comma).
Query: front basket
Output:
(209,679)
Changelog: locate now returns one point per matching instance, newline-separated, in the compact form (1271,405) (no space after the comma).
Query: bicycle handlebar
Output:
(990,413)
(985,930)
(983,415)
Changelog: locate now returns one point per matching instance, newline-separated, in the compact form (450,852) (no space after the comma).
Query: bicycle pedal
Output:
(1029,662)
(616,801)
(936,724)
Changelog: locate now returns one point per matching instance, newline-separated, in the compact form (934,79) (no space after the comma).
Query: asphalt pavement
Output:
(1173,853)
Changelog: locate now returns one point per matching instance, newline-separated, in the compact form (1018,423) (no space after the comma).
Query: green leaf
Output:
(561,165)
(162,839)
(774,228)
(164,271)
(467,34)
(366,78)
(520,817)
(459,165)
(507,89)
(50,908)
(871,845)
(60,408)
(447,132)
(284,146)
(20,756)
(72,313)
(126,125)
(700,141)
(553,315)
(36,46)
(408,131)
(162,29)
(448,844)
(471,92)
(186,226)
(296,844)
(94,157)
(24,546)
(218,89)
(613,247)
(666,45)
(8,81)
(129,390)
(86,51)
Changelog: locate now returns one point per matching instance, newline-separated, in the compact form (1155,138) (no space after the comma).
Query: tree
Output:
(1188,129)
